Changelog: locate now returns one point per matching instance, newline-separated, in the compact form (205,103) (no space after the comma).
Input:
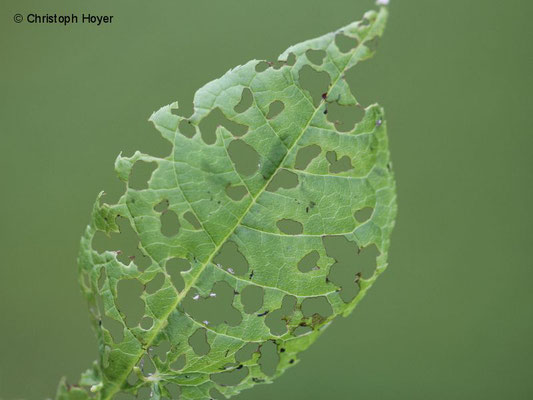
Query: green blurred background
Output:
(452,318)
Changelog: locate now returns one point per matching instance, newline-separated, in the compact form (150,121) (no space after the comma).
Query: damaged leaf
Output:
(237,220)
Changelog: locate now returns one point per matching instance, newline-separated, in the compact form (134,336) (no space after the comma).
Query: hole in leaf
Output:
(125,244)
(186,107)
(230,378)
(277,64)
(198,342)
(252,298)
(342,273)
(316,305)
(173,390)
(365,22)
(372,44)
(161,206)
(305,155)
(338,166)
(302,330)
(366,261)
(277,320)
(147,367)
(216,395)
(170,223)
(283,179)
(290,227)
(246,352)
(161,350)
(244,156)
(309,262)
(246,101)
(269,359)
(231,259)
(316,56)
(114,192)
(155,284)
(179,363)
(358,77)
(236,193)
(291,59)
(275,108)
(146,323)
(344,117)
(216,118)
(129,300)
(345,43)
(114,327)
(364,214)
(141,174)
(144,393)
(316,83)
(262,66)
(174,268)
(186,128)
(350,264)
(217,308)
(191,219)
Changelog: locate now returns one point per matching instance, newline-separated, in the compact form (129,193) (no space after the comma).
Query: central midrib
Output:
(179,298)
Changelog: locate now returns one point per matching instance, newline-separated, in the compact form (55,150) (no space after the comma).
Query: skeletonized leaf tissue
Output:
(306,183)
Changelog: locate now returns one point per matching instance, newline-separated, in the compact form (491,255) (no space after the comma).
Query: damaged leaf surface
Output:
(274,214)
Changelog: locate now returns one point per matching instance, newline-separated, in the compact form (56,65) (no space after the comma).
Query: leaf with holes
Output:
(234,265)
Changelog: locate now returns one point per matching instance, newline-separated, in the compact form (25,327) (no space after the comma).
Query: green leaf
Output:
(275,212)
